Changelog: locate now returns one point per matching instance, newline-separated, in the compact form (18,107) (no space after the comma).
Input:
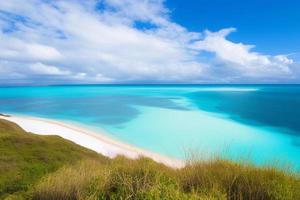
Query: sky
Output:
(46,42)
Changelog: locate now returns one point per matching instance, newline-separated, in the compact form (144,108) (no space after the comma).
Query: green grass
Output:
(26,157)
(50,168)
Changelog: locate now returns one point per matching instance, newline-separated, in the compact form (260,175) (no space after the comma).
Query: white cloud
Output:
(20,50)
(76,42)
(283,59)
(42,69)
(241,56)
(149,10)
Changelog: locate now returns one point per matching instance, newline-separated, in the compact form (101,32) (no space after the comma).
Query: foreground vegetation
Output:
(25,157)
(49,167)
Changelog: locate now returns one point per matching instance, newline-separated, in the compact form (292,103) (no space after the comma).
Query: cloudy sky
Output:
(149,41)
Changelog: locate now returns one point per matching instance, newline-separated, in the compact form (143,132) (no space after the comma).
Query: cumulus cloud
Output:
(120,41)
(42,69)
(20,50)
(241,57)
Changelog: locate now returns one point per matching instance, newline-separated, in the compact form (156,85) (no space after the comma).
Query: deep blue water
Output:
(277,106)
(263,120)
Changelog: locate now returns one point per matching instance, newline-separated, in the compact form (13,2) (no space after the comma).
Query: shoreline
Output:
(94,140)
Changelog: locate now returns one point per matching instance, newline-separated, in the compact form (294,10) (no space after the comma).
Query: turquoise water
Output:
(260,122)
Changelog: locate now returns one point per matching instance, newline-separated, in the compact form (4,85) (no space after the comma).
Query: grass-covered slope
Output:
(144,179)
(26,157)
(48,167)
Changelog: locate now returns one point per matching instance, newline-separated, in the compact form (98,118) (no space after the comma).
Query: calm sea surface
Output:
(260,122)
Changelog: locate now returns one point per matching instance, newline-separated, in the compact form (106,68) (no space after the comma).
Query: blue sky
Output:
(272,25)
(149,41)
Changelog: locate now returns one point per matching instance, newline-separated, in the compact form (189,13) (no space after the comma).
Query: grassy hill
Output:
(26,157)
(49,167)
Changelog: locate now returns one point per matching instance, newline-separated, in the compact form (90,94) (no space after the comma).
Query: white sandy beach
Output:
(96,141)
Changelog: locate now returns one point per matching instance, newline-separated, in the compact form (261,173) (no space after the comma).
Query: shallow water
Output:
(257,120)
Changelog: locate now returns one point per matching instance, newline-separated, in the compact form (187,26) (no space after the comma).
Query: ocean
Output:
(260,123)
